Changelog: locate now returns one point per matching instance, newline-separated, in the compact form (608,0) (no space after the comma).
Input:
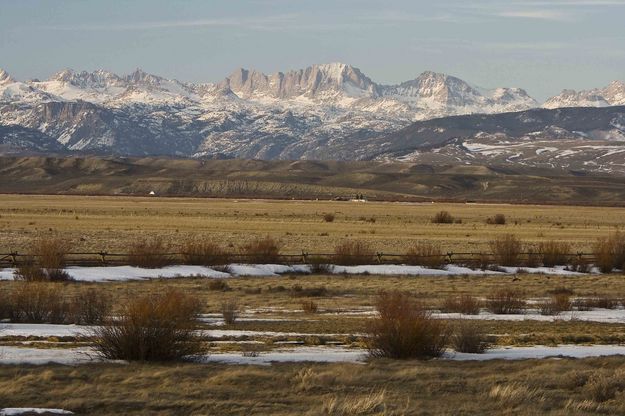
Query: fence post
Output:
(304,257)
(379,255)
(14,258)
(449,255)
(103,257)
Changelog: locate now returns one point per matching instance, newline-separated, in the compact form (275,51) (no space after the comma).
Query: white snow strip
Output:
(400,270)
(539,351)
(41,356)
(122,273)
(42,330)
(616,316)
(12,411)
(302,354)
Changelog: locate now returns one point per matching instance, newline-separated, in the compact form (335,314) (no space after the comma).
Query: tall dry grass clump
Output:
(203,253)
(554,253)
(37,302)
(149,253)
(90,307)
(505,301)
(443,217)
(506,250)
(425,254)
(262,250)
(469,337)
(404,329)
(498,219)
(558,302)
(610,252)
(465,304)
(353,252)
(51,253)
(158,327)
(230,311)
(46,262)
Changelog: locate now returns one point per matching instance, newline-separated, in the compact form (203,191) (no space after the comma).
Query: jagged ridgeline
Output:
(323,112)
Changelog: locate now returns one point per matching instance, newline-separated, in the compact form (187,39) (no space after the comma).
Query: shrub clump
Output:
(558,302)
(554,253)
(90,307)
(353,252)
(464,304)
(203,253)
(506,250)
(37,302)
(149,253)
(157,327)
(404,329)
(328,217)
(470,338)
(262,250)
(425,254)
(230,311)
(610,252)
(505,301)
(46,263)
(498,219)
(309,306)
(443,217)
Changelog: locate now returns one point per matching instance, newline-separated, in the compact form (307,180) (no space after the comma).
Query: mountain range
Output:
(328,111)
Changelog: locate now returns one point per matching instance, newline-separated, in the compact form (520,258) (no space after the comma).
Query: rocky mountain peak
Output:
(5,77)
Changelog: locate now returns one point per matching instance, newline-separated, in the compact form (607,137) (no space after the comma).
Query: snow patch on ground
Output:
(539,351)
(11,411)
(122,273)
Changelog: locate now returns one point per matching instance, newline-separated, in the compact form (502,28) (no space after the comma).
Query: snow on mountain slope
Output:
(327,111)
(613,94)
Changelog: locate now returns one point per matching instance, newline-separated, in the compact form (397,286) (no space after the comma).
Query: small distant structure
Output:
(152,193)
(359,198)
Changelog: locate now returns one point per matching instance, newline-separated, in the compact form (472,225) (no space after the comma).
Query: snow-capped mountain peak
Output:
(5,78)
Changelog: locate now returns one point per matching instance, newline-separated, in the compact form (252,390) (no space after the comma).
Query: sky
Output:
(543,46)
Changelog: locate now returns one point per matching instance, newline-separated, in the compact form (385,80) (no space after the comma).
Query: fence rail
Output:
(103,258)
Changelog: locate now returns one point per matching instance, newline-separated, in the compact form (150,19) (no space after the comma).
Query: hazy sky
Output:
(540,45)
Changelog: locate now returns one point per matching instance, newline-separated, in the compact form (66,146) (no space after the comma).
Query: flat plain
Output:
(111,223)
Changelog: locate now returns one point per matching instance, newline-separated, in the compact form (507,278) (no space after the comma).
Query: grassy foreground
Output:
(380,387)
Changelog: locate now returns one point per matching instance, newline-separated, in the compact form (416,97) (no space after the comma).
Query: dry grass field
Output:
(111,223)
(339,311)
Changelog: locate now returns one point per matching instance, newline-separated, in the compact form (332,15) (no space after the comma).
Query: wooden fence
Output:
(104,258)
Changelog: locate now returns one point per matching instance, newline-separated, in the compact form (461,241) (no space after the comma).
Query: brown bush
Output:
(506,250)
(230,311)
(218,285)
(319,265)
(443,217)
(149,253)
(505,301)
(557,303)
(405,329)
(470,338)
(465,304)
(425,254)
(353,252)
(554,253)
(262,250)
(37,302)
(203,253)
(91,306)
(29,271)
(309,306)
(601,302)
(159,327)
(610,252)
(50,253)
(498,219)
(329,217)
